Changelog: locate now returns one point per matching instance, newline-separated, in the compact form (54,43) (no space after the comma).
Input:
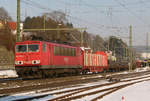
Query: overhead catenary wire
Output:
(131,12)
(96,9)
(101,28)
(41,7)
(97,26)
(32,3)
(79,19)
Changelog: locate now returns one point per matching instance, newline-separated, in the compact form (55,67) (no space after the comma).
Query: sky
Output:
(103,17)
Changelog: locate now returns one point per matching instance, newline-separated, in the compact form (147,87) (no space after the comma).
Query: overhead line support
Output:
(18,21)
(130,47)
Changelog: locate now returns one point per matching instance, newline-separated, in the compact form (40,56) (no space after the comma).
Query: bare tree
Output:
(4,16)
(57,16)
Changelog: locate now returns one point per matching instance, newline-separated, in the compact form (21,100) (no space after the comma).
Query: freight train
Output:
(40,59)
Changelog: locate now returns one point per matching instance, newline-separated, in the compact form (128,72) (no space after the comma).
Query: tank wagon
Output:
(38,59)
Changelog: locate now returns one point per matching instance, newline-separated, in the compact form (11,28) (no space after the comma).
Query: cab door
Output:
(50,56)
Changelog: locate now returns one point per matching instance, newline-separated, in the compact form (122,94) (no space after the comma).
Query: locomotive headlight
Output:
(35,61)
(18,62)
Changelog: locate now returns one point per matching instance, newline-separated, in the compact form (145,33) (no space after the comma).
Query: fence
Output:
(6,60)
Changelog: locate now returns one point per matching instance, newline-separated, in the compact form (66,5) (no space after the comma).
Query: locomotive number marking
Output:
(66,60)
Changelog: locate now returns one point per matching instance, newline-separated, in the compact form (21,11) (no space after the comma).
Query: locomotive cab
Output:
(27,54)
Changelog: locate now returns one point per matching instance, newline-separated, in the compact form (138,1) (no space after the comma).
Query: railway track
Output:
(78,93)
(32,85)
(9,79)
(78,76)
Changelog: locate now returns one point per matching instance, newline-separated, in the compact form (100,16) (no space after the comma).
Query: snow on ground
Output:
(89,98)
(8,73)
(92,77)
(136,92)
(44,99)
(142,69)
(35,93)
(109,86)
(31,94)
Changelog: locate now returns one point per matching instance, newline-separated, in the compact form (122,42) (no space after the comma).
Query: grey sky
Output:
(103,17)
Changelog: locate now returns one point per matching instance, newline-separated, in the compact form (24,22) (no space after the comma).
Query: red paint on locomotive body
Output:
(62,56)
(47,55)
(26,57)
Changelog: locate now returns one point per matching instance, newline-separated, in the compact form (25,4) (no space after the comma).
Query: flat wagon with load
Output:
(94,62)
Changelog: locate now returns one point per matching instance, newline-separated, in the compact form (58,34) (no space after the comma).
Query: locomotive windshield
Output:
(33,48)
(21,48)
(27,48)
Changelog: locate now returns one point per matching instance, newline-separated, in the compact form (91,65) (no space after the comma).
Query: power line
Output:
(31,3)
(103,28)
(138,2)
(131,12)
(100,27)
(89,4)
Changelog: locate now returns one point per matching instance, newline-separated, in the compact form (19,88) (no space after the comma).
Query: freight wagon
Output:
(94,62)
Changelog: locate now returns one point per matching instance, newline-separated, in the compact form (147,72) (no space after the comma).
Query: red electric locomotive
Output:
(43,59)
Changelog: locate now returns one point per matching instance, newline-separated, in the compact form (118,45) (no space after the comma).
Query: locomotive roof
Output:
(31,41)
(28,42)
